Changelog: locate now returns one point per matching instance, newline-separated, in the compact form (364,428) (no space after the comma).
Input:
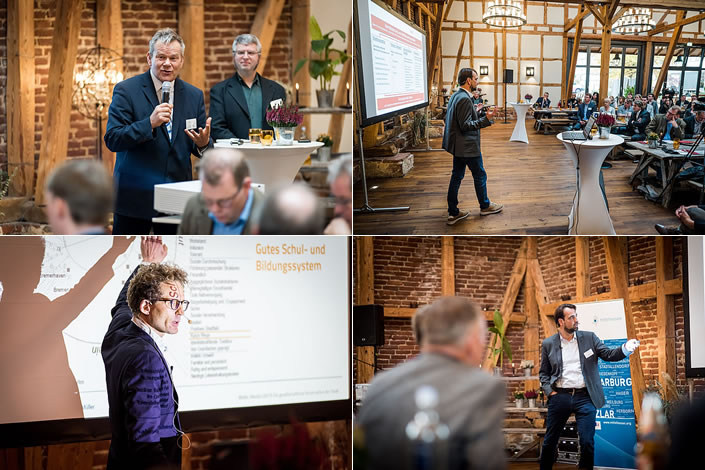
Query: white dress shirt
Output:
(571,374)
(152,334)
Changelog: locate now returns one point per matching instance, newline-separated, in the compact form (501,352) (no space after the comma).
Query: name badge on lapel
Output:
(588,353)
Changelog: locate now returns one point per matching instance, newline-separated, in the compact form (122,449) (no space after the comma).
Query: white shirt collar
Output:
(152,334)
(563,340)
(158,87)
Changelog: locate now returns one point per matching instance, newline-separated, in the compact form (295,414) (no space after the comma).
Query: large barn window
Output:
(624,75)
(685,72)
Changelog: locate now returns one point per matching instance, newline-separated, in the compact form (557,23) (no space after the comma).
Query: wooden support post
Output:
(301,45)
(665,314)
(20,97)
(669,53)
(191,31)
(605,56)
(574,53)
(435,45)
(365,296)
(265,25)
(109,34)
(447,266)
(548,324)
(582,268)
(55,134)
(457,59)
(532,344)
(619,288)
(335,126)
(509,299)
(645,65)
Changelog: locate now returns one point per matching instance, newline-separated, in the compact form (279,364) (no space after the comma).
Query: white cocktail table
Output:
(519,134)
(589,214)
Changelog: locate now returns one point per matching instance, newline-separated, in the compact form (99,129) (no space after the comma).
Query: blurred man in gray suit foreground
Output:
(453,338)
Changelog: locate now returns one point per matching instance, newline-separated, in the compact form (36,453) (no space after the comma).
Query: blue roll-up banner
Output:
(615,427)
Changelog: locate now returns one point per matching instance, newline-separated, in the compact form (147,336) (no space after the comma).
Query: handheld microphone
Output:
(166,91)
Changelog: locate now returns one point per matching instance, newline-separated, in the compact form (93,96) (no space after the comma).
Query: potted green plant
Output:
(519,399)
(499,338)
(527,365)
(324,152)
(324,67)
(284,120)
(652,138)
(530,396)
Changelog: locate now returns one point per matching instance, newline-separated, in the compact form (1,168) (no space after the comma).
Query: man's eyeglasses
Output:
(223,203)
(174,304)
(247,53)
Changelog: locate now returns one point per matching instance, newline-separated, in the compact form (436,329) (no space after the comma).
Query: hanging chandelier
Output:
(98,72)
(504,14)
(635,21)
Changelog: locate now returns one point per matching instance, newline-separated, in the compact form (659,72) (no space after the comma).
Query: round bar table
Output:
(589,214)
(273,165)
(519,134)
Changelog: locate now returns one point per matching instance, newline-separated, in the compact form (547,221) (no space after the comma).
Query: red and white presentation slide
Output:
(398,62)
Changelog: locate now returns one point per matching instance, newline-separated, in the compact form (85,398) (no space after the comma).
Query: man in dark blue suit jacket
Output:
(585,110)
(240,102)
(570,377)
(151,140)
(141,395)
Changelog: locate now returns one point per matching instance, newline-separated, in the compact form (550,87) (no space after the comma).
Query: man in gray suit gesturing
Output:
(469,403)
(570,378)
(461,138)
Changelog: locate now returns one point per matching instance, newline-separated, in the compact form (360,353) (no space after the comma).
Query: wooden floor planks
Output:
(535,182)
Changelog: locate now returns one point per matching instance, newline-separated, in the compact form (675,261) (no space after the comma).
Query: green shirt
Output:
(253,96)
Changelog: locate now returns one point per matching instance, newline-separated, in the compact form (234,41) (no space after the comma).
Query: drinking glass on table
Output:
(267,137)
(255,135)
(676,144)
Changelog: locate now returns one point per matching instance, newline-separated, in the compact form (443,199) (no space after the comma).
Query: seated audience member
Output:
(692,222)
(240,102)
(291,210)
(476,98)
(468,400)
(636,126)
(666,104)
(626,108)
(585,110)
(694,124)
(596,98)
(630,96)
(543,101)
(573,101)
(227,199)
(668,126)
(620,102)
(608,108)
(340,181)
(79,197)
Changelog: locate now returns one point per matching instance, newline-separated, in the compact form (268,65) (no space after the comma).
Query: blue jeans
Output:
(560,407)
(478,175)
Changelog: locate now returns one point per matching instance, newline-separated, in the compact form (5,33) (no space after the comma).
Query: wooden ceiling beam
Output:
(582,13)
(681,23)
(669,53)
(696,5)
(594,9)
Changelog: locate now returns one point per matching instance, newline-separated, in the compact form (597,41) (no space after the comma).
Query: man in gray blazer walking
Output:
(461,138)
(570,378)
(469,403)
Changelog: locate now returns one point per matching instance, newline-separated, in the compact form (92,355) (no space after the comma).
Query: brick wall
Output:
(407,274)
(223,20)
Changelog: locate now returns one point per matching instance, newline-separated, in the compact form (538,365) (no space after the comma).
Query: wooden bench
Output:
(548,124)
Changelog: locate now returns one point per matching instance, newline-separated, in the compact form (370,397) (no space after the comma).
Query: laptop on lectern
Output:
(583,134)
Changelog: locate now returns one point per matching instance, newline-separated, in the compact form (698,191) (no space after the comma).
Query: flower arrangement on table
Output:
(284,116)
(519,395)
(325,138)
(605,120)
(528,97)
(529,394)
(652,136)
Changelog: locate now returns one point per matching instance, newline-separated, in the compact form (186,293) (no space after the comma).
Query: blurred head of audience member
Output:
(79,196)
(340,181)
(225,179)
(291,210)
